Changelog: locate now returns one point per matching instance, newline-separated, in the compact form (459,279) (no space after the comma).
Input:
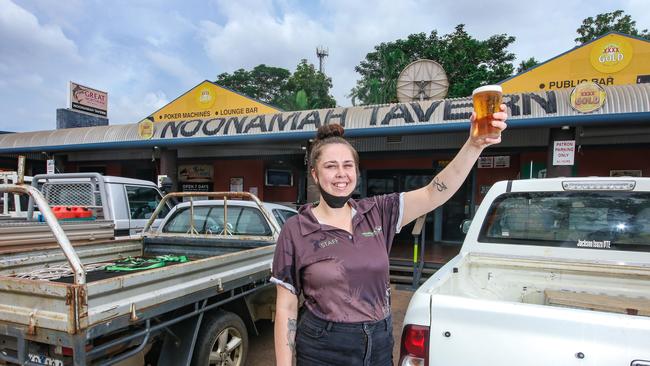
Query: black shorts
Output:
(321,342)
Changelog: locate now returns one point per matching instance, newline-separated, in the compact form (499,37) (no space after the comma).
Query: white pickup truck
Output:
(127,203)
(551,272)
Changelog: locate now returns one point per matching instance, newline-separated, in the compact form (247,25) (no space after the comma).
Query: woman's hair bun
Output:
(332,130)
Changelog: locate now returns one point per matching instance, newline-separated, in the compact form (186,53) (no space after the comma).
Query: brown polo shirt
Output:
(343,277)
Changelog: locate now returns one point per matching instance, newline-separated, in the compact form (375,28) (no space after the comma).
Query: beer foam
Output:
(492,88)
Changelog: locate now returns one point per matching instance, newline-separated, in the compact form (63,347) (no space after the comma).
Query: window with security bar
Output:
(71,194)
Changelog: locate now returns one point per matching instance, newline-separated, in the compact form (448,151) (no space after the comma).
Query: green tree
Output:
(306,88)
(264,83)
(467,61)
(379,85)
(607,22)
(526,64)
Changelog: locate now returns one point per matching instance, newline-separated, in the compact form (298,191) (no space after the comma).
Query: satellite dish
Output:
(422,80)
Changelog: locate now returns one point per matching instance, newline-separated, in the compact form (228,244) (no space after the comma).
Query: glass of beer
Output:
(487,100)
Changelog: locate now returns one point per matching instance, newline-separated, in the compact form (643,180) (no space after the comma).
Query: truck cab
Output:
(127,202)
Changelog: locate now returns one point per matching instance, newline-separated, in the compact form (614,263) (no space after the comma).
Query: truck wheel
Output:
(222,340)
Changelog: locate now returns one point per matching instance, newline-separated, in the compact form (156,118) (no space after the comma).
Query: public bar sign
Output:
(88,100)
(564,152)
(613,59)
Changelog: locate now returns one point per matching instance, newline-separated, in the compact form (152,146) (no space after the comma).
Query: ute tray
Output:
(102,274)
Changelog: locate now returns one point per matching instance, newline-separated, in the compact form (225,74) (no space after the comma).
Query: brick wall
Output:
(251,170)
(599,161)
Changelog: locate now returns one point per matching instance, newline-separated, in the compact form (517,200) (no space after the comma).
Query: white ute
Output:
(551,272)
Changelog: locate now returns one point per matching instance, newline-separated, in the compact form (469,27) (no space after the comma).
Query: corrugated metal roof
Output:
(624,103)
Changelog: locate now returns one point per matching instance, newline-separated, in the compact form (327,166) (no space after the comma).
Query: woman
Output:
(336,255)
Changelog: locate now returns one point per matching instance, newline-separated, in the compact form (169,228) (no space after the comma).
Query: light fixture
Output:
(613,185)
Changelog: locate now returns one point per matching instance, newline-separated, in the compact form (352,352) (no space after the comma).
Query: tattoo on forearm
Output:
(440,186)
(291,334)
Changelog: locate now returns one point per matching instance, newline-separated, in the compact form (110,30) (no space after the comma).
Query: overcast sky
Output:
(146,53)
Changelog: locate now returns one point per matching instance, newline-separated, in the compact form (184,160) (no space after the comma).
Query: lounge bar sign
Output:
(88,100)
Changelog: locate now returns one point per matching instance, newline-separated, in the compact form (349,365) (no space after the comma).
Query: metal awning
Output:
(626,104)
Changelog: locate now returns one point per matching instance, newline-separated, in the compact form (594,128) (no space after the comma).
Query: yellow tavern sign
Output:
(613,59)
(209,100)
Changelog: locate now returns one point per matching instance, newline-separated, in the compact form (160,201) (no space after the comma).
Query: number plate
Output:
(44,360)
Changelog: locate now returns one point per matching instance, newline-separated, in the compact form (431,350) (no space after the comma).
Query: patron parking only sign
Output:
(564,152)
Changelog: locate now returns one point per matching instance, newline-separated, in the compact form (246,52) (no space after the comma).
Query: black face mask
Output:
(334,201)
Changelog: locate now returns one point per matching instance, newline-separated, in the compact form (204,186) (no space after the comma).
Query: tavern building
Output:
(558,126)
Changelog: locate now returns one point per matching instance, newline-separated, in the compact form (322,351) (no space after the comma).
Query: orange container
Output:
(63,212)
(82,212)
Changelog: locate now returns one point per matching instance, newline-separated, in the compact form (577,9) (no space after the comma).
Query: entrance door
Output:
(454,212)
(446,219)
(382,183)
(389,181)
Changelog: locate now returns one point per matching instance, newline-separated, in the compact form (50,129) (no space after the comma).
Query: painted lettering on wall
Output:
(438,111)
(565,84)
(548,103)
(208,113)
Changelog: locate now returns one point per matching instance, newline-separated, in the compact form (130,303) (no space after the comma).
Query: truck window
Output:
(590,220)
(210,220)
(143,202)
(250,221)
(180,222)
(281,216)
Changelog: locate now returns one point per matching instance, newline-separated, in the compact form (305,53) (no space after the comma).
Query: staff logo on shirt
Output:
(369,234)
(327,243)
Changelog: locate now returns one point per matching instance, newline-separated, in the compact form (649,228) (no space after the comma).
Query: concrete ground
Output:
(261,347)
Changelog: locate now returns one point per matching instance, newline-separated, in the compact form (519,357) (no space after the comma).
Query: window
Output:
(10,204)
(210,220)
(278,217)
(281,216)
(279,178)
(250,222)
(71,194)
(143,202)
(598,220)
(180,222)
